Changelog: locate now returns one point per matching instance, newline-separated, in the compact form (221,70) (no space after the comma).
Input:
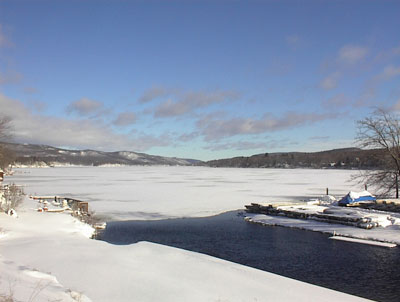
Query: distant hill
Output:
(348,158)
(42,155)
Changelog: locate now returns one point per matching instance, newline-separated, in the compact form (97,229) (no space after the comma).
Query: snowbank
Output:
(47,254)
(387,234)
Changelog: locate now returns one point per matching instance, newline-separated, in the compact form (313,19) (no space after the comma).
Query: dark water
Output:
(362,270)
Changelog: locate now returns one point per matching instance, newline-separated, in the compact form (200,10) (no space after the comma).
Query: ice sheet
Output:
(141,192)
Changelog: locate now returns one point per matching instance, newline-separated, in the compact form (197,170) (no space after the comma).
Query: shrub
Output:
(12,197)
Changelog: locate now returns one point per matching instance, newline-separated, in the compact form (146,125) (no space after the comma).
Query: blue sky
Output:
(197,79)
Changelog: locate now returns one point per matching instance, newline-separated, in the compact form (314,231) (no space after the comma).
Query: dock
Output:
(332,214)
(364,241)
(78,209)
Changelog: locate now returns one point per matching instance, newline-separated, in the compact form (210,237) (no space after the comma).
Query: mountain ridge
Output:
(44,155)
(342,158)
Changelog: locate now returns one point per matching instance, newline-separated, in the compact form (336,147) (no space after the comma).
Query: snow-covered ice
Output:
(142,192)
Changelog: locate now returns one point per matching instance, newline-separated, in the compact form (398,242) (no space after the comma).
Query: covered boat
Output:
(356,197)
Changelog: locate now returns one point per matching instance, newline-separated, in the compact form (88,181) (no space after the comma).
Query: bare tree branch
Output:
(381,130)
(5,156)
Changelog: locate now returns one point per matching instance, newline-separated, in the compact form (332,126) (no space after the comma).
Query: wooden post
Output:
(327,191)
(366,187)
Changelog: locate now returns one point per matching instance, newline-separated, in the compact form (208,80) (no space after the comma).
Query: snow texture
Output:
(50,248)
(141,192)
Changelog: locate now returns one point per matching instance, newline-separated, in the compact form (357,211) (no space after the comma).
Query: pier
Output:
(77,208)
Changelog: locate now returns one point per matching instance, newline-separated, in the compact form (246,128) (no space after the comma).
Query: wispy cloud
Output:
(30,90)
(10,77)
(337,101)
(214,128)
(154,93)
(294,41)
(125,119)
(4,42)
(369,93)
(387,54)
(319,138)
(188,102)
(352,54)
(85,107)
(331,81)
(388,72)
(396,106)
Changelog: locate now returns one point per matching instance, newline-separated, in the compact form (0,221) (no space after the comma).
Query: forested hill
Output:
(42,155)
(348,158)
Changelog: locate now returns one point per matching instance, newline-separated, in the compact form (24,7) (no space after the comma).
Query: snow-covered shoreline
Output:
(49,250)
(387,224)
(391,235)
(47,254)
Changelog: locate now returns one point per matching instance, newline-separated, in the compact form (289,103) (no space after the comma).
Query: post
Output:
(327,191)
(366,187)
(397,185)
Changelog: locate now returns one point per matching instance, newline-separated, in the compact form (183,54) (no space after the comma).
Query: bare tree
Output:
(4,127)
(6,156)
(382,131)
(12,197)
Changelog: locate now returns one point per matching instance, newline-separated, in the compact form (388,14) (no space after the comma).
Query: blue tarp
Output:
(353,197)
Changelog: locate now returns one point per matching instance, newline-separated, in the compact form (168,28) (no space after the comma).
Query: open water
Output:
(362,270)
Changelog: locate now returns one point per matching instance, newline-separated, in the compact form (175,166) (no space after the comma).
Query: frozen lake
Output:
(157,192)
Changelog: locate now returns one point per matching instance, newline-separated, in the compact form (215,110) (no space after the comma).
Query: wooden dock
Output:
(78,208)
(328,215)
(364,241)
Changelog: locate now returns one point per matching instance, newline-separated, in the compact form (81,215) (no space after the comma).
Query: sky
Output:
(197,79)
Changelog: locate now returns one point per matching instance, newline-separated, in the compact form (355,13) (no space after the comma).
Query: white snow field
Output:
(141,192)
(48,257)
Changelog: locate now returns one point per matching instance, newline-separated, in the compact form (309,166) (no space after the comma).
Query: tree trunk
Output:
(397,185)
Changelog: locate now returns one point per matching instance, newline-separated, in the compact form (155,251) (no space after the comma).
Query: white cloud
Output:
(214,128)
(28,127)
(352,54)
